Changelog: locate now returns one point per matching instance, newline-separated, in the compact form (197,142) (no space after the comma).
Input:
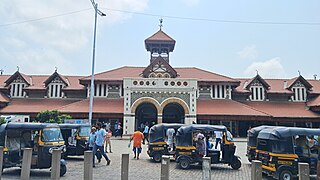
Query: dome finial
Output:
(160,25)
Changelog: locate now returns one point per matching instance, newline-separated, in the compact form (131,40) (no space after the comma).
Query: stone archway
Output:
(173,113)
(145,113)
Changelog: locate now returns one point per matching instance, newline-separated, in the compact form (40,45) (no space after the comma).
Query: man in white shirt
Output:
(218,138)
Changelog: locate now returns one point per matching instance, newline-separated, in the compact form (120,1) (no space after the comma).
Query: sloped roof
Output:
(100,105)
(299,78)
(4,98)
(314,102)
(15,75)
(159,60)
(55,74)
(226,107)
(27,105)
(283,109)
(136,72)
(160,36)
(258,78)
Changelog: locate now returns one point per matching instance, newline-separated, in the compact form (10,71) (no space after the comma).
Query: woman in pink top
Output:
(108,141)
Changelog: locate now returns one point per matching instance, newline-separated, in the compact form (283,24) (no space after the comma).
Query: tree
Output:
(52,117)
(2,120)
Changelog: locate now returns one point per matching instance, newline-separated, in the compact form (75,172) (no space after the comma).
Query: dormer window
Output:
(16,88)
(257,91)
(55,88)
(300,92)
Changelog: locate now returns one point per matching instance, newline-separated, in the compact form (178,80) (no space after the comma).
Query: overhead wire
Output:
(170,17)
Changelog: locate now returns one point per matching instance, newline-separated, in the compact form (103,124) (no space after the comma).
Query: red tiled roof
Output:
(27,105)
(276,85)
(4,98)
(283,109)
(160,36)
(226,107)
(136,72)
(100,105)
(314,102)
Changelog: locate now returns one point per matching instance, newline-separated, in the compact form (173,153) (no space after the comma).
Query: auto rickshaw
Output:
(252,141)
(187,154)
(43,138)
(158,141)
(281,149)
(75,137)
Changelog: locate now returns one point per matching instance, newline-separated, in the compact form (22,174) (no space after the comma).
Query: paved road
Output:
(139,169)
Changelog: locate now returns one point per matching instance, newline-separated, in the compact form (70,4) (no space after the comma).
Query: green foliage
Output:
(52,117)
(2,120)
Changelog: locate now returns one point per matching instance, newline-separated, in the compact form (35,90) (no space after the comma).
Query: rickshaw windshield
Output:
(229,136)
(84,131)
(51,135)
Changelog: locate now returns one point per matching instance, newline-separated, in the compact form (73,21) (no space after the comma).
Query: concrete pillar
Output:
(318,170)
(256,170)
(206,168)
(304,172)
(165,167)
(125,167)
(88,165)
(1,160)
(55,164)
(26,164)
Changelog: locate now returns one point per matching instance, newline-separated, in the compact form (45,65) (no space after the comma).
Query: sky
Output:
(277,39)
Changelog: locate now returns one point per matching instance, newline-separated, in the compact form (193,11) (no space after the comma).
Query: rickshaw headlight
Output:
(50,150)
(64,149)
(193,151)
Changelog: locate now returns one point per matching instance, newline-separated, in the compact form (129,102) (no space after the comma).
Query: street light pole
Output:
(97,11)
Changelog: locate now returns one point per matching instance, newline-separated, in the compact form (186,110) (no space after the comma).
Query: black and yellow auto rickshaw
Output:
(158,141)
(281,149)
(252,141)
(186,152)
(41,137)
(75,137)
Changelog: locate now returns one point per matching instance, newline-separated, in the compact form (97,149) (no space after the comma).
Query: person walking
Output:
(218,138)
(108,141)
(145,133)
(91,142)
(137,137)
(100,139)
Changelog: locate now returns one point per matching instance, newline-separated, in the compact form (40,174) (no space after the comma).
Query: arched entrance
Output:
(145,112)
(173,113)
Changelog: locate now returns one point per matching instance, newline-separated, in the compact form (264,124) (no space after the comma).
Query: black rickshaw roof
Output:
(253,132)
(158,132)
(200,127)
(72,126)
(283,132)
(24,126)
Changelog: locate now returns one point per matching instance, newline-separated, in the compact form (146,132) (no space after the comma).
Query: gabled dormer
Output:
(54,84)
(16,83)
(299,86)
(258,88)
(159,68)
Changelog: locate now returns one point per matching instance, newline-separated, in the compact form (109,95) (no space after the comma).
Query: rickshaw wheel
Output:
(236,164)
(285,175)
(157,157)
(63,169)
(184,163)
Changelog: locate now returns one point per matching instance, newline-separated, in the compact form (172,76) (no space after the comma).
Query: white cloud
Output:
(249,53)
(267,69)
(59,36)
(190,3)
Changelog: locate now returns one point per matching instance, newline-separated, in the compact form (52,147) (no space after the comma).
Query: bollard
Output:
(165,166)
(26,164)
(88,165)
(318,170)
(55,164)
(125,167)
(304,172)
(206,168)
(256,170)
(1,160)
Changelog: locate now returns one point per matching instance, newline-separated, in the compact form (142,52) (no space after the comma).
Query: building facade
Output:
(160,93)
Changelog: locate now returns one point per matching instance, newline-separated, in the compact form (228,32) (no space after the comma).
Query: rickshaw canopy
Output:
(254,132)
(157,132)
(285,132)
(184,134)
